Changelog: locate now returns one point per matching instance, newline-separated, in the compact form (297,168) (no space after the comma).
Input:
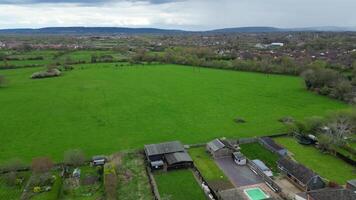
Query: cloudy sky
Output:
(182,14)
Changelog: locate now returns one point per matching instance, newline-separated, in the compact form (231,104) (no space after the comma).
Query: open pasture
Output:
(104,108)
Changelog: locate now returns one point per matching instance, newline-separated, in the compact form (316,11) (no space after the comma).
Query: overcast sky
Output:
(181,14)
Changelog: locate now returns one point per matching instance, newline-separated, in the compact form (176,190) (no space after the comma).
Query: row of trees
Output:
(329,82)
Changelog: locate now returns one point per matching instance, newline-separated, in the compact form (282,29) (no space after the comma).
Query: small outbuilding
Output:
(178,160)
(99,160)
(217,148)
(271,145)
(300,175)
(239,158)
(262,167)
(351,185)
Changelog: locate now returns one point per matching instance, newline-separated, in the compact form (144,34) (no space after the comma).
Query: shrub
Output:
(240,120)
(74,157)
(46,74)
(41,165)
(10,178)
(2,81)
(13,165)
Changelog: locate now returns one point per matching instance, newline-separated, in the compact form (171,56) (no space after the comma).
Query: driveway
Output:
(239,175)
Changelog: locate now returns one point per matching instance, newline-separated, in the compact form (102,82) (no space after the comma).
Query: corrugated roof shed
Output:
(216,145)
(178,157)
(261,165)
(163,148)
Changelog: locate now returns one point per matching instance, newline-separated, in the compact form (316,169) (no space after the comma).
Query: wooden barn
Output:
(300,175)
(168,155)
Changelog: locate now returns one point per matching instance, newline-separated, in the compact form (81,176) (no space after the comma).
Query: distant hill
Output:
(89,30)
(124,30)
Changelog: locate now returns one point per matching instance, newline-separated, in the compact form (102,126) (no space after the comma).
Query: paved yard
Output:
(287,187)
(239,175)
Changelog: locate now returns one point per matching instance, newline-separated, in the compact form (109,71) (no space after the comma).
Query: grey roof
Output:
(269,141)
(238,155)
(163,148)
(261,165)
(332,194)
(216,145)
(299,171)
(178,157)
(352,182)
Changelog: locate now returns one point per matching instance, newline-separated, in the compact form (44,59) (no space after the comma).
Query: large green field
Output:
(103,108)
(325,165)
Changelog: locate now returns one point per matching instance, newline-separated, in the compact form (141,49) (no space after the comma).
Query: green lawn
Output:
(133,182)
(103,109)
(325,165)
(257,151)
(179,185)
(206,165)
(12,192)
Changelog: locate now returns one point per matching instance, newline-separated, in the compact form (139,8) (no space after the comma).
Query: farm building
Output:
(351,185)
(272,146)
(327,194)
(178,160)
(262,167)
(303,177)
(219,148)
(172,154)
(239,158)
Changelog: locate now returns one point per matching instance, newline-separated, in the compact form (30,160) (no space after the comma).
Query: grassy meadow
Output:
(104,108)
(325,165)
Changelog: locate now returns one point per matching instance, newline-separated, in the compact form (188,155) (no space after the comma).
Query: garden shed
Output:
(99,160)
(217,148)
(262,167)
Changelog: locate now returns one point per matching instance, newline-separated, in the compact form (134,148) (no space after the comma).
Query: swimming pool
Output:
(255,194)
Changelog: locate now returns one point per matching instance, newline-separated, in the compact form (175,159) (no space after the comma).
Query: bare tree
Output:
(41,165)
(74,157)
